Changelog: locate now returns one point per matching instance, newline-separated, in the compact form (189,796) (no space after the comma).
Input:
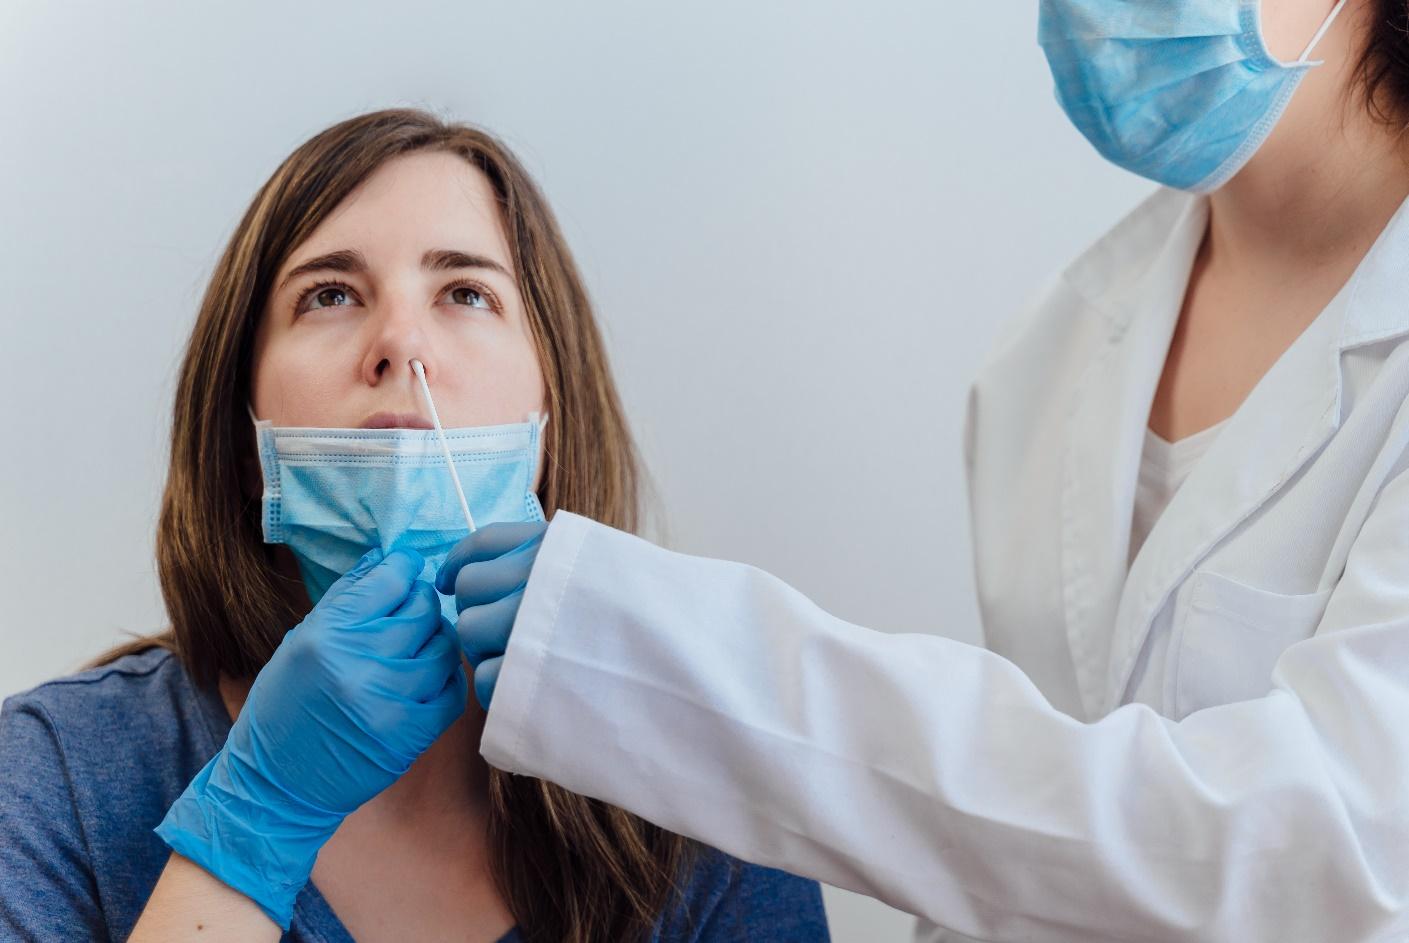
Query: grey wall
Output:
(802,222)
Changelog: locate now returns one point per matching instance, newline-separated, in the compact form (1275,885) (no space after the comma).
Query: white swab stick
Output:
(420,370)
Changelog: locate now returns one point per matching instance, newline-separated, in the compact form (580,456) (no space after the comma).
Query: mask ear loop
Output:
(1321,33)
(420,372)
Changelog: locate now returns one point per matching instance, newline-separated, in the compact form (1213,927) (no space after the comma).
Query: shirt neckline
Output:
(1169,457)
(1192,438)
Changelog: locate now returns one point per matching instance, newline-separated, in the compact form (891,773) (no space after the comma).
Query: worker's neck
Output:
(1324,183)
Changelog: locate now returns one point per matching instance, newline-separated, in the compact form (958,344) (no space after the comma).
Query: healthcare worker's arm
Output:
(716,701)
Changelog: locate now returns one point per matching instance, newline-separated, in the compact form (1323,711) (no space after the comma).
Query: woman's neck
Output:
(451,773)
(417,854)
(447,782)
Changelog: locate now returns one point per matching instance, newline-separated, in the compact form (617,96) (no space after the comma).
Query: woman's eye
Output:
(334,296)
(471,297)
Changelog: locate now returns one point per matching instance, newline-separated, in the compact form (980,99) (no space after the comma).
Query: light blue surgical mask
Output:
(331,495)
(1182,92)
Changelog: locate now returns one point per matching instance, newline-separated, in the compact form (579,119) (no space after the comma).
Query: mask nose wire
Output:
(420,372)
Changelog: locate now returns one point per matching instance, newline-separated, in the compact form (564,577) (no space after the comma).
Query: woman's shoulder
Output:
(120,674)
(89,764)
(729,899)
(135,720)
(139,699)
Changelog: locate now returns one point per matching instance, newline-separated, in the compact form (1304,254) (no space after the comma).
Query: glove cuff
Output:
(254,846)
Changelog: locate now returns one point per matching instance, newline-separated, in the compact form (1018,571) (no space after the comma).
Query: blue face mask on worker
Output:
(1182,92)
(331,495)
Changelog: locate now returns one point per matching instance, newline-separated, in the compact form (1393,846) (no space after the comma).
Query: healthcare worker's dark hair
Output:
(572,869)
(1384,63)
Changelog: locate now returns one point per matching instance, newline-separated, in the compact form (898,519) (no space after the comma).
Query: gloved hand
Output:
(351,697)
(487,572)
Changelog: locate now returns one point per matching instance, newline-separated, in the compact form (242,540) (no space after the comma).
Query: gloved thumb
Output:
(349,579)
(379,589)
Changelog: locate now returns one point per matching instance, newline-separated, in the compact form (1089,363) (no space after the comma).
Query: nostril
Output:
(382,366)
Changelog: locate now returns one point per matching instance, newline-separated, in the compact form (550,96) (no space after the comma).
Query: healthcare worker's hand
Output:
(350,698)
(487,572)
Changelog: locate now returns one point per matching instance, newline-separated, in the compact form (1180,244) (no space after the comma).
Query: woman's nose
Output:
(398,337)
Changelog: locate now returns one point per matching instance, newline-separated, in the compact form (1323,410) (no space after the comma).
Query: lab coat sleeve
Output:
(714,700)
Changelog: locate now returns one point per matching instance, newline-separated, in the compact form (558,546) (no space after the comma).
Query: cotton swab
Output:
(420,371)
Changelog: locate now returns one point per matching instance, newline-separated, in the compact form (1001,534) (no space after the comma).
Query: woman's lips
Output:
(395,421)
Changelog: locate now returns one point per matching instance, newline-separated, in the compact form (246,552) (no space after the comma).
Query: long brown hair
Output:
(1383,69)
(572,869)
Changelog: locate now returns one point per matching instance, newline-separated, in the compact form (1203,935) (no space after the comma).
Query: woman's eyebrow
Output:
(440,260)
(343,260)
(354,262)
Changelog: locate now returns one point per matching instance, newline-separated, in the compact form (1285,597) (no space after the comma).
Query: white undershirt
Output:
(1163,468)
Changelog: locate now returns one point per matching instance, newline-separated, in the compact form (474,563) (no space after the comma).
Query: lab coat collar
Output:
(1144,264)
(1112,276)
(1136,279)
(1377,297)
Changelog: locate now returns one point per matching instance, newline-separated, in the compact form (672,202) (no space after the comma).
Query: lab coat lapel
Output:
(1286,419)
(1292,412)
(1110,411)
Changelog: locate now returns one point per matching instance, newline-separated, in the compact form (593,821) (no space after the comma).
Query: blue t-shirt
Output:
(90,763)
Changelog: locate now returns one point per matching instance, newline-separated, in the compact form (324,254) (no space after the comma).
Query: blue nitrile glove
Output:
(351,697)
(487,572)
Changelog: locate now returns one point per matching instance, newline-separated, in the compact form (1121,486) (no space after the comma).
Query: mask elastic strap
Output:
(420,371)
(1321,33)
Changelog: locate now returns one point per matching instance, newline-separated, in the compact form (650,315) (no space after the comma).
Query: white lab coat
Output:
(1213,745)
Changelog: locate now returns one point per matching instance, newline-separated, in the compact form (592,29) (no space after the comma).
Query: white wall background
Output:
(802,222)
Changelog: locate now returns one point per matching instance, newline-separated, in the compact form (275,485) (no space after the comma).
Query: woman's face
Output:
(412,265)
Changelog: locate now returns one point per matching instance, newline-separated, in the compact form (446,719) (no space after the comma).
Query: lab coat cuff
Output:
(508,729)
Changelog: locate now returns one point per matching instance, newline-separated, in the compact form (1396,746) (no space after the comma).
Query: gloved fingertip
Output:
(529,543)
(369,559)
(412,558)
(486,678)
(431,598)
(460,555)
(445,579)
(368,562)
